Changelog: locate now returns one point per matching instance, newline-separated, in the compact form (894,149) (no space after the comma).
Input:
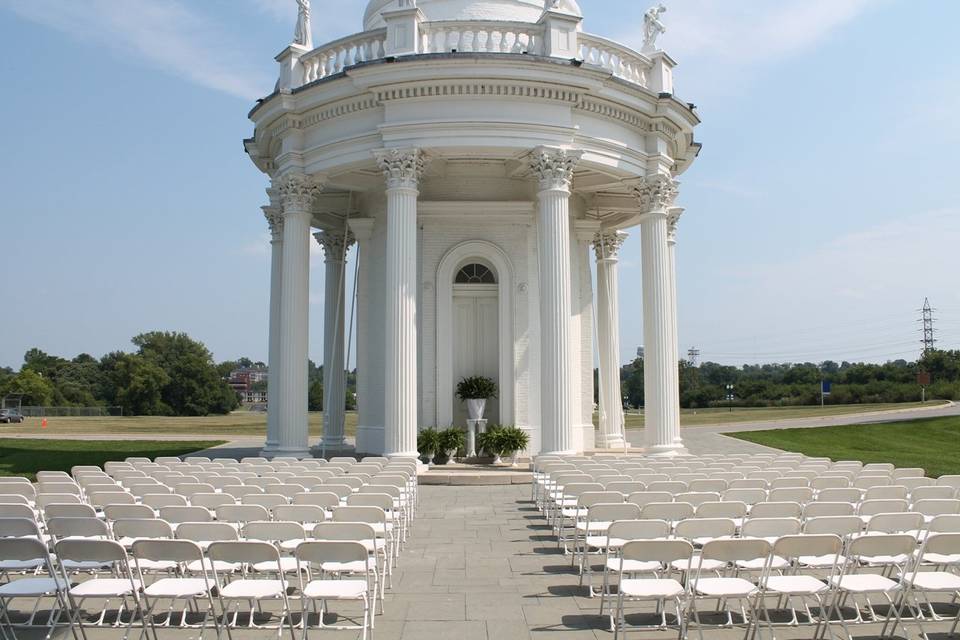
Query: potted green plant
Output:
(499,441)
(428,443)
(475,391)
(450,441)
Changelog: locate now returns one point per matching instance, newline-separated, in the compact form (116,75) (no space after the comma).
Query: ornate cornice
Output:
(656,193)
(485,88)
(401,167)
(554,167)
(335,244)
(606,244)
(298,190)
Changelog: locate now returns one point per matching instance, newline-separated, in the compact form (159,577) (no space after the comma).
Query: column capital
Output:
(656,193)
(553,167)
(606,244)
(274,216)
(335,244)
(401,167)
(297,191)
(673,218)
(362,228)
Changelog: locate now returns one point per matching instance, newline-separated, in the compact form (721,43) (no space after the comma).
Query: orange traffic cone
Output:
(43,423)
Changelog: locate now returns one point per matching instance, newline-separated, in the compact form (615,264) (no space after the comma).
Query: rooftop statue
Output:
(652,27)
(302,35)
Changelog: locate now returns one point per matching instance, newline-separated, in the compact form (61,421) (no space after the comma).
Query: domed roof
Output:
(515,10)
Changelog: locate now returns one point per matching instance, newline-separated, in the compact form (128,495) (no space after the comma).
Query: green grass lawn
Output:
(931,443)
(24,457)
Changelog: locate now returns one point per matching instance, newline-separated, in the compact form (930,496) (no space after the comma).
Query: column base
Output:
(566,452)
(326,448)
(404,454)
(290,453)
(610,441)
(268,450)
(667,450)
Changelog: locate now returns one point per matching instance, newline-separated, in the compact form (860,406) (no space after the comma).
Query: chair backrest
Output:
(359,514)
(669,511)
(829,482)
(25,549)
(769,527)
(44,499)
(697,528)
(160,500)
(268,500)
(842,526)
(818,509)
(895,545)
(647,497)
(302,513)
(153,528)
(790,547)
(925,492)
(323,498)
(18,527)
(240,513)
(873,507)
(19,511)
(245,551)
(748,483)
(724,509)
(211,500)
(590,498)
(800,495)
(662,551)
(206,532)
(78,527)
(177,515)
(24,489)
(937,507)
(179,551)
(848,494)
(638,529)
(672,487)
(319,552)
(612,511)
(895,522)
(274,531)
(886,492)
(79,550)
(776,510)
(943,544)
(343,531)
(59,487)
(736,549)
(103,498)
(747,496)
(118,511)
(949,481)
(381,500)
(696,498)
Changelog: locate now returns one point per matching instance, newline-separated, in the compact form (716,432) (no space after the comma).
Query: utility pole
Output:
(927,320)
(693,355)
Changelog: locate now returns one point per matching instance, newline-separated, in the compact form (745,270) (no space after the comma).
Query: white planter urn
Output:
(497,459)
(451,453)
(476,407)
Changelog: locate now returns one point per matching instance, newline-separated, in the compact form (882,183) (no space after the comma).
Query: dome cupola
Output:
(438,10)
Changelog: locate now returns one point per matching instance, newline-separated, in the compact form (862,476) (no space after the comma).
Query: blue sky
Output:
(824,207)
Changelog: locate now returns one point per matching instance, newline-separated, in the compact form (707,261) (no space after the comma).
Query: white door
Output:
(476,346)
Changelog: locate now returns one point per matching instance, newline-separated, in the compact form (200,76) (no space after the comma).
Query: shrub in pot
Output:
(450,441)
(503,440)
(475,391)
(428,443)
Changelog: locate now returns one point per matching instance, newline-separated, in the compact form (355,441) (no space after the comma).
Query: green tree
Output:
(194,386)
(34,389)
(139,385)
(315,396)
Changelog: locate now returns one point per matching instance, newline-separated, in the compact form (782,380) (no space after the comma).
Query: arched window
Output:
(475,274)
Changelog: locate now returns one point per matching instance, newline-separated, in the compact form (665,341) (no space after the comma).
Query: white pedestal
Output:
(473,428)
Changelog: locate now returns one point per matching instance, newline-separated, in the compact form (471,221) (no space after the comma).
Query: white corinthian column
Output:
(335,246)
(274,215)
(607,245)
(660,376)
(402,169)
(554,171)
(297,192)
(673,217)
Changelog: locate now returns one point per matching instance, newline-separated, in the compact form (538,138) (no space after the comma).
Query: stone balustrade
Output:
(334,57)
(474,36)
(615,58)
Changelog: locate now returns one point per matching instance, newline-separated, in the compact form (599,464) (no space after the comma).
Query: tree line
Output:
(786,384)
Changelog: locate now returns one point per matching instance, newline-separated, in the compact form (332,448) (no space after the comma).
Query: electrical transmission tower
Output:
(693,355)
(927,320)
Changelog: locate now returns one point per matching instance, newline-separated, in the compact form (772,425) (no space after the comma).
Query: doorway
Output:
(475,333)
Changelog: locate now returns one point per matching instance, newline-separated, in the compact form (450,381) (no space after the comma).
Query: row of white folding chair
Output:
(312,560)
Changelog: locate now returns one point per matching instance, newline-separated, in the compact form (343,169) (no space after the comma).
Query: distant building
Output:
(250,384)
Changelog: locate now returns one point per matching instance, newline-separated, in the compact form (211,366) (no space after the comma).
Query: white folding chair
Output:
(121,585)
(24,552)
(728,585)
(322,564)
(177,554)
(619,533)
(659,589)
(247,588)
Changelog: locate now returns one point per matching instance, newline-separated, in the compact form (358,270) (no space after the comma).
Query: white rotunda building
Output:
(478,155)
